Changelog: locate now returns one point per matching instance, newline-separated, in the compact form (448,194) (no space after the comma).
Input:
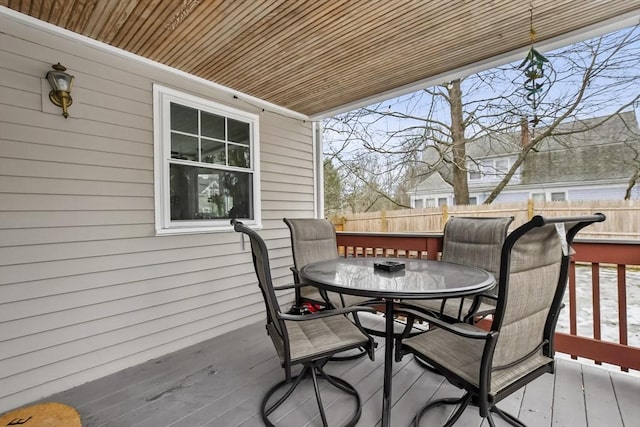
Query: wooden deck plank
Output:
(627,390)
(221,382)
(212,392)
(164,368)
(537,402)
(510,404)
(568,401)
(221,366)
(600,399)
(416,396)
(302,409)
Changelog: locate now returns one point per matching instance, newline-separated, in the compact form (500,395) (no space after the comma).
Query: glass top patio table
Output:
(420,279)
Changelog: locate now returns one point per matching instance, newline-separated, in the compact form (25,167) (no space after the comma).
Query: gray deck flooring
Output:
(220,382)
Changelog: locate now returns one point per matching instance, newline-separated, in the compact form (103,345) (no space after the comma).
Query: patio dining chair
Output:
(307,340)
(314,240)
(471,241)
(518,347)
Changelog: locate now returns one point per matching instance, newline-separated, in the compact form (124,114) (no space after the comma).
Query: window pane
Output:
(240,192)
(538,197)
(442,201)
(557,197)
(474,172)
(239,156)
(184,147)
(418,203)
(213,152)
(238,131)
(184,119)
(212,125)
(201,193)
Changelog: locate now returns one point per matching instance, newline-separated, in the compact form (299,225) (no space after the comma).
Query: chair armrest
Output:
(453,328)
(325,313)
(291,286)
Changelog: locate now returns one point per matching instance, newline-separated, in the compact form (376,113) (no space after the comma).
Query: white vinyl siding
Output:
(86,287)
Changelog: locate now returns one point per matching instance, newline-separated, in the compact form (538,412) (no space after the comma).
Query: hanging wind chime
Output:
(534,65)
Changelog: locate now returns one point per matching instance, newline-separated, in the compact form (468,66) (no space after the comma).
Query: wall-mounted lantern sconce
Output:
(61,83)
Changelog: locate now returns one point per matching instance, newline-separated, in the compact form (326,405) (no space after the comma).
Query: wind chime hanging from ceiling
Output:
(536,71)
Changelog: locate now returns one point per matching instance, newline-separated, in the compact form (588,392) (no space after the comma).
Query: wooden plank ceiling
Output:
(314,56)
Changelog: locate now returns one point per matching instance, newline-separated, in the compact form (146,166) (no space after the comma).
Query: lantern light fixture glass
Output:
(61,83)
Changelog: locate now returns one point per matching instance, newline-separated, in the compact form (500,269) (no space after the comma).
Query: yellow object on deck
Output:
(49,414)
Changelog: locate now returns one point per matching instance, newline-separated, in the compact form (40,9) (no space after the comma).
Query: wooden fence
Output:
(623,217)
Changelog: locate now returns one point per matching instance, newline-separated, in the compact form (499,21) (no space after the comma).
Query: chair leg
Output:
(296,381)
(361,352)
(509,418)
(339,384)
(462,401)
(318,397)
(316,371)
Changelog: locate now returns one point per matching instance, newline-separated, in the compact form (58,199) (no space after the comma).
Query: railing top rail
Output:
(390,234)
(439,234)
(609,241)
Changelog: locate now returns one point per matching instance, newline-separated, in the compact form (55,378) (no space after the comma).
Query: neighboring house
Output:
(115,242)
(595,164)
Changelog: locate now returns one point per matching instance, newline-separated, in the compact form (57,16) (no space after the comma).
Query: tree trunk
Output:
(632,182)
(460,184)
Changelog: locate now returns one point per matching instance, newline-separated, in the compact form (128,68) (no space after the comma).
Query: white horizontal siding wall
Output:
(86,288)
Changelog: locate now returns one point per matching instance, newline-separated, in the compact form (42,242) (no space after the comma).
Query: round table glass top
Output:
(419,278)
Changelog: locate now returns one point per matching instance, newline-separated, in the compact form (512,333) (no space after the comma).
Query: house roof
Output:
(321,57)
(581,152)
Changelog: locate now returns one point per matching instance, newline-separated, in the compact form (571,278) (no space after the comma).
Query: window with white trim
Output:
(206,164)
(493,169)
(475,173)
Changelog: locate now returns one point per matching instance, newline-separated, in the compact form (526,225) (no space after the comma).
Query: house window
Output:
(418,203)
(473,200)
(474,172)
(442,201)
(494,170)
(206,164)
(558,197)
(538,197)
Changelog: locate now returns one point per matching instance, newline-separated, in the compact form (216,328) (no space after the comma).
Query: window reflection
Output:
(200,193)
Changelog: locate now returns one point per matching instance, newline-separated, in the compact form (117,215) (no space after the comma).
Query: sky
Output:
(563,69)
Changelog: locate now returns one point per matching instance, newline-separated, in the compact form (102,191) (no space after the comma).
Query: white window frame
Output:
(474,171)
(162,98)
(489,171)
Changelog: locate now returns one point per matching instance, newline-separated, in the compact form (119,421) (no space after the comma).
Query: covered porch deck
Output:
(221,382)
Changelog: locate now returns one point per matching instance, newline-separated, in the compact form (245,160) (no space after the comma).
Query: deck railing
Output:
(619,255)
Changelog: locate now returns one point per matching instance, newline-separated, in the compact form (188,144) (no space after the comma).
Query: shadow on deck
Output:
(221,382)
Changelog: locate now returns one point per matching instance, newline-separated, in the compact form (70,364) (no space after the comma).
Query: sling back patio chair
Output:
(471,241)
(518,348)
(314,240)
(307,340)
